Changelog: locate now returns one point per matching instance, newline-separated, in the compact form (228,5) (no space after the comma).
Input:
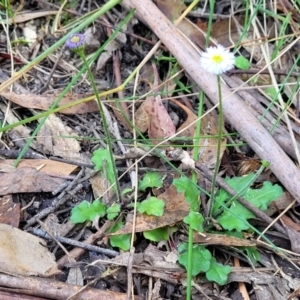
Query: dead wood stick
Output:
(77,252)
(235,112)
(44,287)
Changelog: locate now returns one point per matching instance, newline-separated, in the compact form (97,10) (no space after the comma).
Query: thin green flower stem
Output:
(210,19)
(246,13)
(194,180)
(220,129)
(104,122)
(190,264)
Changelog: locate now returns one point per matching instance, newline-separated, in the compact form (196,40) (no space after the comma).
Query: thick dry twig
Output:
(52,289)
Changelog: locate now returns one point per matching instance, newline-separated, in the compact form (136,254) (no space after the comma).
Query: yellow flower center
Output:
(217,58)
(75,39)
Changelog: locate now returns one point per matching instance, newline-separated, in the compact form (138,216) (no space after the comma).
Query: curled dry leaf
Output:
(160,125)
(43,102)
(28,16)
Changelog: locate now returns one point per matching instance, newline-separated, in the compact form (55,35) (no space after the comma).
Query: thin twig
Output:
(75,186)
(44,234)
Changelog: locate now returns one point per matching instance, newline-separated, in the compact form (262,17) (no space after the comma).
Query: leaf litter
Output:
(76,133)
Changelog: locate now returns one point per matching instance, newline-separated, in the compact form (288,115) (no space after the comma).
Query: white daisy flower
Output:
(217,60)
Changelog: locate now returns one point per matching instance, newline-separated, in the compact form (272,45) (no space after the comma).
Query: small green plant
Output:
(227,218)
(260,198)
(113,211)
(204,262)
(86,211)
(195,220)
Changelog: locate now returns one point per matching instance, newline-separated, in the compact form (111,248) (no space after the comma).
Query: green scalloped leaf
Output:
(150,180)
(218,272)
(190,190)
(152,207)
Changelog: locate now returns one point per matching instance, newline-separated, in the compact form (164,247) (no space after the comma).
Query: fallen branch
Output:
(53,289)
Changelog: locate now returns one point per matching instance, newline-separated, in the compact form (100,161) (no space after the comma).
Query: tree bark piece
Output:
(235,112)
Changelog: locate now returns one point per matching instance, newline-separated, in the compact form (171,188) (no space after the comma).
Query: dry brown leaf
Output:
(28,16)
(75,276)
(27,180)
(22,253)
(225,31)
(141,119)
(100,186)
(160,125)
(9,211)
(290,223)
(208,145)
(43,102)
(43,165)
(53,138)
(110,48)
(176,209)
(280,204)
(159,261)
(141,116)
(191,117)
